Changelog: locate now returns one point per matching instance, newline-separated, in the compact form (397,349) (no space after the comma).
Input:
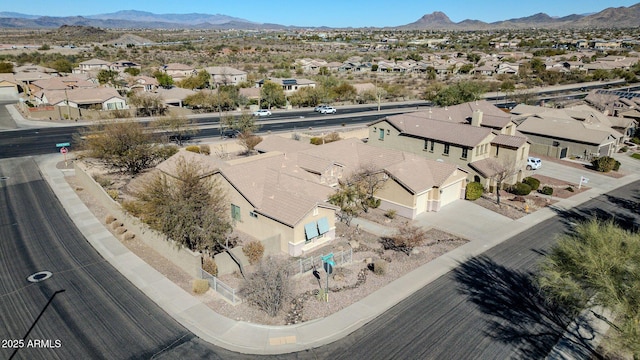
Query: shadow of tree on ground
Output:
(517,313)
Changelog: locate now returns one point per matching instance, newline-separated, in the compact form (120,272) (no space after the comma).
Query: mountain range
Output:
(620,17)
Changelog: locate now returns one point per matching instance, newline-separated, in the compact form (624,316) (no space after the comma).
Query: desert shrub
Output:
(110,219)
(521,189)
(624,149)
(316,140)
(129,236)
(103,181)
(373,203)
(569,189)
(636,156)
(113,193)
(604,163)
(116,224)
(209,265)
(408,237)
(200,286)
(254,251)
(474,191)
(391,214)
(533,182)
(269,287)
(133,207)
(193,148)
(334,136)
(121,230)
(167,151)
(205,149)
(379,267)
(546,190)
(616,166)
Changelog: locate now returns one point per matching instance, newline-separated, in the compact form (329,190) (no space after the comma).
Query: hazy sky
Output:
(332,13)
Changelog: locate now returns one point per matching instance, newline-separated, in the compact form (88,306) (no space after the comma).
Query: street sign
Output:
(328,267)
(63,150)
(63,144)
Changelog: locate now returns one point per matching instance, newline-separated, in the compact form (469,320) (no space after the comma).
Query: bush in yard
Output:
(569,189)
(546,190)
(379,267)
(616,166)
(113,193)
(316,141)
(269,287)
(129,236)
(391,214)
(254,251)
(205,149)
(193,148)
(474,191)
(604,163)
(209,265)
(200,286)
(521,189)
(408,237)
(533,182)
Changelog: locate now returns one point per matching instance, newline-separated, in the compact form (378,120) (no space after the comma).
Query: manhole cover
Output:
(39,276)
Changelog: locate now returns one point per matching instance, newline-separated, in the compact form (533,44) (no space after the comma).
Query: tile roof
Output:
(509,141)
(82,96)
(279,143)
(418,174)
(443,131)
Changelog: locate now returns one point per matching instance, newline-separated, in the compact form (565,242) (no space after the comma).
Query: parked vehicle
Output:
(262,112)
(533,163)
(328,110)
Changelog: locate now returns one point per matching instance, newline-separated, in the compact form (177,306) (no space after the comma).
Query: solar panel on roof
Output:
(289,82)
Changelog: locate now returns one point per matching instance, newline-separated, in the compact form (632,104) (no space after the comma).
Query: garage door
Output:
(8,93)
(450,194)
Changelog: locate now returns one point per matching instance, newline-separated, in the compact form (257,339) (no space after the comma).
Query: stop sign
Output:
(63,150)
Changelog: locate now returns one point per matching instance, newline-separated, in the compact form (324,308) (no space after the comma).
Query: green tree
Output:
(598,264)
(458,93)
(272,94)
(107,77)
(6,67)
(199,81)
(62,65)
(345,92)
(357,193)
(125,145)
(164,79)
(147,104)
(189,209)
(133,71)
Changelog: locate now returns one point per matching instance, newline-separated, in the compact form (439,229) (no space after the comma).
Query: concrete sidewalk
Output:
(460,218)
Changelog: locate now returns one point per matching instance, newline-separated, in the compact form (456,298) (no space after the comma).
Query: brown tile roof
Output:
(439,130)
(285,145)
(509,141)
(419,174)
(486,167)
(82,96)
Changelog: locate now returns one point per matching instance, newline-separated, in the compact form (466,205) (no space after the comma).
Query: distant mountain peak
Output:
(436,17)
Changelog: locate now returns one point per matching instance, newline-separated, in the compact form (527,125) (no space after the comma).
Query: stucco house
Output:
(8,86)
(288,85)
(178,71)
(477,137)
(580,131)
(103,98)
(225,75)
(92,66)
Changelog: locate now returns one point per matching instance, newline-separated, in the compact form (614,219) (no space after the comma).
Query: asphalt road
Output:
(100,314)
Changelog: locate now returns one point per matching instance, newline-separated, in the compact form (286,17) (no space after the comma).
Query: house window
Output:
(446,149)
(381,134)
(253,214)
(311,231)
(235,212)
(464,153)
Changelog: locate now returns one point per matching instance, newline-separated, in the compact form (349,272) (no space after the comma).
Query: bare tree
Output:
(408,237)
(249,141)
(503,170)
(177,128)
(147,104)
(269,287)
(368,180)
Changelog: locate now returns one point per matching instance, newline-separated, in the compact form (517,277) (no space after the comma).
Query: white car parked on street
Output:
(328,110)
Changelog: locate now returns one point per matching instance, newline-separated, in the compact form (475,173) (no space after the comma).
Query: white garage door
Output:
(450,194)
(8,93)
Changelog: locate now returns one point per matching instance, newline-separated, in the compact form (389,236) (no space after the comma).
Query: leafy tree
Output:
(473,57)
(126,145)
(147,104)
(164,79)
(190,209)
(272,94)
(107,77)
(458,93)
(597,264)
(6,67)
(346,92)
(269,287)
(177,127)
(199,81)
(133,71)
(62,65)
